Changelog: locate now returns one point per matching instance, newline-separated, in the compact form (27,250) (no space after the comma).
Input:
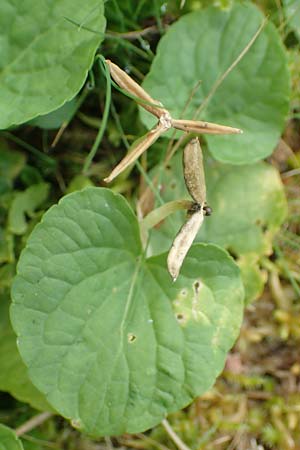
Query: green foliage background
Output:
(51,82)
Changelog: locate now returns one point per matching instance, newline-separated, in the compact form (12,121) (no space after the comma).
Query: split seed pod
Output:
(183,242)
(193,171)
(165,121)
(195,183)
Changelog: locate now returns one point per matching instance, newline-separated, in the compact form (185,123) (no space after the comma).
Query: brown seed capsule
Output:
(127,83)
(194,172)
(198,126)
(183,242)
(138,148)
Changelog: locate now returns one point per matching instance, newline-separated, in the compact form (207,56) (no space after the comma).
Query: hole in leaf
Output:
(131,338)
(76,423)
(197,285)
(180,317)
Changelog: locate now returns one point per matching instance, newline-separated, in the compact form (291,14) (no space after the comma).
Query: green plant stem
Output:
(159,214)
(126,43)
(158,18)
(47,159)
(102,128)
(119,14)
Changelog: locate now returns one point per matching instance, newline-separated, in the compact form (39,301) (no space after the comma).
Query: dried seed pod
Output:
(183,242)
(195,183)
(198,126)
(129,85)
(194,172)
(138,148)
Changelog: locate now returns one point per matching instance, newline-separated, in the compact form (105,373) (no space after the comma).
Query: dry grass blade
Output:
(197,126)
(183,242)
(194,172)
(128,84)
(141,145)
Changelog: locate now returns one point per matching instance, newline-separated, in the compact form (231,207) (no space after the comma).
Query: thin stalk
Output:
(121,41)
(33,423)
(159,214)
(158,18)
(217,84)
(64,125)
(175,438)
(29,148)
(230,68)
(102,128)
(132,35)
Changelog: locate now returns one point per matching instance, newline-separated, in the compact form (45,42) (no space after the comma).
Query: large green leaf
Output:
(44,58)
(8,439)
(13,372)
(113,343)
(254,96)
(292,13)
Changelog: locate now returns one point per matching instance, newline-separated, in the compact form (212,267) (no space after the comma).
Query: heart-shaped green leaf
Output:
(44,57)
(113,343)
(13,372)
(8,439)
(201,46)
